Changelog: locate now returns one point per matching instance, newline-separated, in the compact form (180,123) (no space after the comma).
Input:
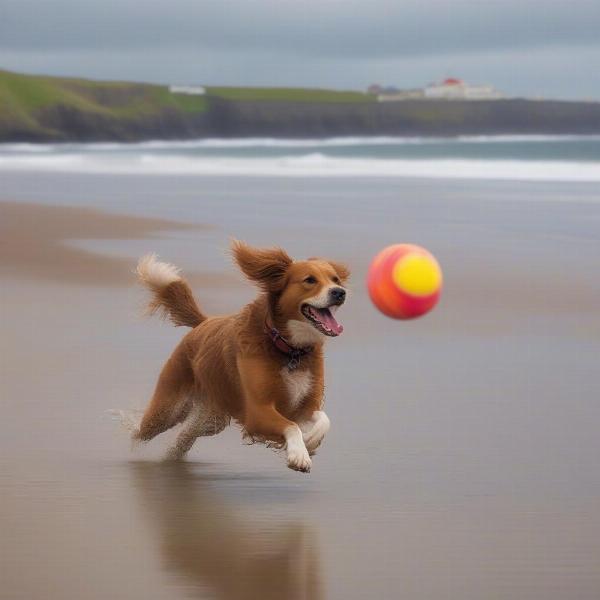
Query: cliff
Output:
(48,109)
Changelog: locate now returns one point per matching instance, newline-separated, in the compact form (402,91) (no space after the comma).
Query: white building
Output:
(192,90)
(456,89)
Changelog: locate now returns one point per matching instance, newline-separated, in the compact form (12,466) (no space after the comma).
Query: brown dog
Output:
(262,367)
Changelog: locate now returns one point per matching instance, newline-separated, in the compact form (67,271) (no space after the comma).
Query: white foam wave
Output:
(26,147)
(307,165)
(217,143)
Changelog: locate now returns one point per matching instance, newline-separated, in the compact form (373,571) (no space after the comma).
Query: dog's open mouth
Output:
(322,319)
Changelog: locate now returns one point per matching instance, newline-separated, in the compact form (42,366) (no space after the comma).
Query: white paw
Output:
(298,459)
(297,454)
(315,430)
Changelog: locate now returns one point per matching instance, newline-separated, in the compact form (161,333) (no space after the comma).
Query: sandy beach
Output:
(462,461)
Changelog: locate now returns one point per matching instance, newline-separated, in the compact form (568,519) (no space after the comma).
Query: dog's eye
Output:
(335,279)
(310,279)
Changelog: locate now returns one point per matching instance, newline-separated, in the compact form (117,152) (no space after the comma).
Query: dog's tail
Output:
(171,295)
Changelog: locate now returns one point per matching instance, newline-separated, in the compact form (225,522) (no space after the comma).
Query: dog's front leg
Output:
(266,422)
(314,430)
(262,392)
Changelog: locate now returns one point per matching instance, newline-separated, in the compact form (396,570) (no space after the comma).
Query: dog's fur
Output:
(228,367)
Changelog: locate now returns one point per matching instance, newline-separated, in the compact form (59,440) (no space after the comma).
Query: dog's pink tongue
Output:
(328,319)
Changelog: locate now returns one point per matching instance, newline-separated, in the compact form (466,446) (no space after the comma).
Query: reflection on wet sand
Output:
(206,535)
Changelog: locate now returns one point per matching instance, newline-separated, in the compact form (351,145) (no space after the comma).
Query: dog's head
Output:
(305,294)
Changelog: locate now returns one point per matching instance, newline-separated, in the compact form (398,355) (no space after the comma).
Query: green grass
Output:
(22,97)
(289,94)
(25,100)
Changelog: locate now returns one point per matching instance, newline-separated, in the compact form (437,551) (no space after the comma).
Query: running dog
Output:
(262,367)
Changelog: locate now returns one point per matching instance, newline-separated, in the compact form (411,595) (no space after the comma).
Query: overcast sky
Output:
(530,47)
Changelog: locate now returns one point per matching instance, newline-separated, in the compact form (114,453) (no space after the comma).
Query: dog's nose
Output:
(337,295)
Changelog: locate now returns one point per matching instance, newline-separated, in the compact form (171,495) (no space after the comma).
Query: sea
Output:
(566,158)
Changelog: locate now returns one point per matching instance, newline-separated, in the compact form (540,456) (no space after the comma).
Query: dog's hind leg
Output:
(172,399)
(201,421)
(188,434)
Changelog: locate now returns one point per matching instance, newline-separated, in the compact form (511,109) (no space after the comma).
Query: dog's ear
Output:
(265,266)
(341,269)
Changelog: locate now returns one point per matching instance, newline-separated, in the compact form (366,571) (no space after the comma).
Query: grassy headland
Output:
(288,94)
(28,102)
(39,109)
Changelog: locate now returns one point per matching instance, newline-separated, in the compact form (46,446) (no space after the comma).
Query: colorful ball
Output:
(404,281)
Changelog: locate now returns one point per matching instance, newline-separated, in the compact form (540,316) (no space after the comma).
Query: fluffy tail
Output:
(171,295)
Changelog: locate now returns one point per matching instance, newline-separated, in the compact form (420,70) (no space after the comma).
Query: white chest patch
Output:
(298,384)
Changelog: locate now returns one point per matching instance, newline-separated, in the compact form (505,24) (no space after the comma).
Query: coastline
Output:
(534,158)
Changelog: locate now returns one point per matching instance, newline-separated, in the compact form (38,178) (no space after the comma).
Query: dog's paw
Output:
(298,459)
(314,431)
(174,455)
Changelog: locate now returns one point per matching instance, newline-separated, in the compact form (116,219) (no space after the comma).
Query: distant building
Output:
(192,90)
(457,89)
(449,89)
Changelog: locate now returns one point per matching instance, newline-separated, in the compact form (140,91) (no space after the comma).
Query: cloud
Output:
(526,46)
(351,28)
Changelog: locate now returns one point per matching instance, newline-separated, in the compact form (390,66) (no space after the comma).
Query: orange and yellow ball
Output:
(404,281)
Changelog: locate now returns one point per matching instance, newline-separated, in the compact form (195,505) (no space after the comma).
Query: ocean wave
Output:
(313,164)
(334,142)
(26,147)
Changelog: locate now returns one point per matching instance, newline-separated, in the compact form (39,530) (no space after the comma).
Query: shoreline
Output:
(535,158)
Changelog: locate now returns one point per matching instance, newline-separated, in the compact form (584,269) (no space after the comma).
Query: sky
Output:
(544,48)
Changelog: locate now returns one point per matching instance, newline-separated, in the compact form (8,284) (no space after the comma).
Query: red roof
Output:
(452,81)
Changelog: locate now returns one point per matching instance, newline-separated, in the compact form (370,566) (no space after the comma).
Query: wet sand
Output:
(462,461)
(35,244)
